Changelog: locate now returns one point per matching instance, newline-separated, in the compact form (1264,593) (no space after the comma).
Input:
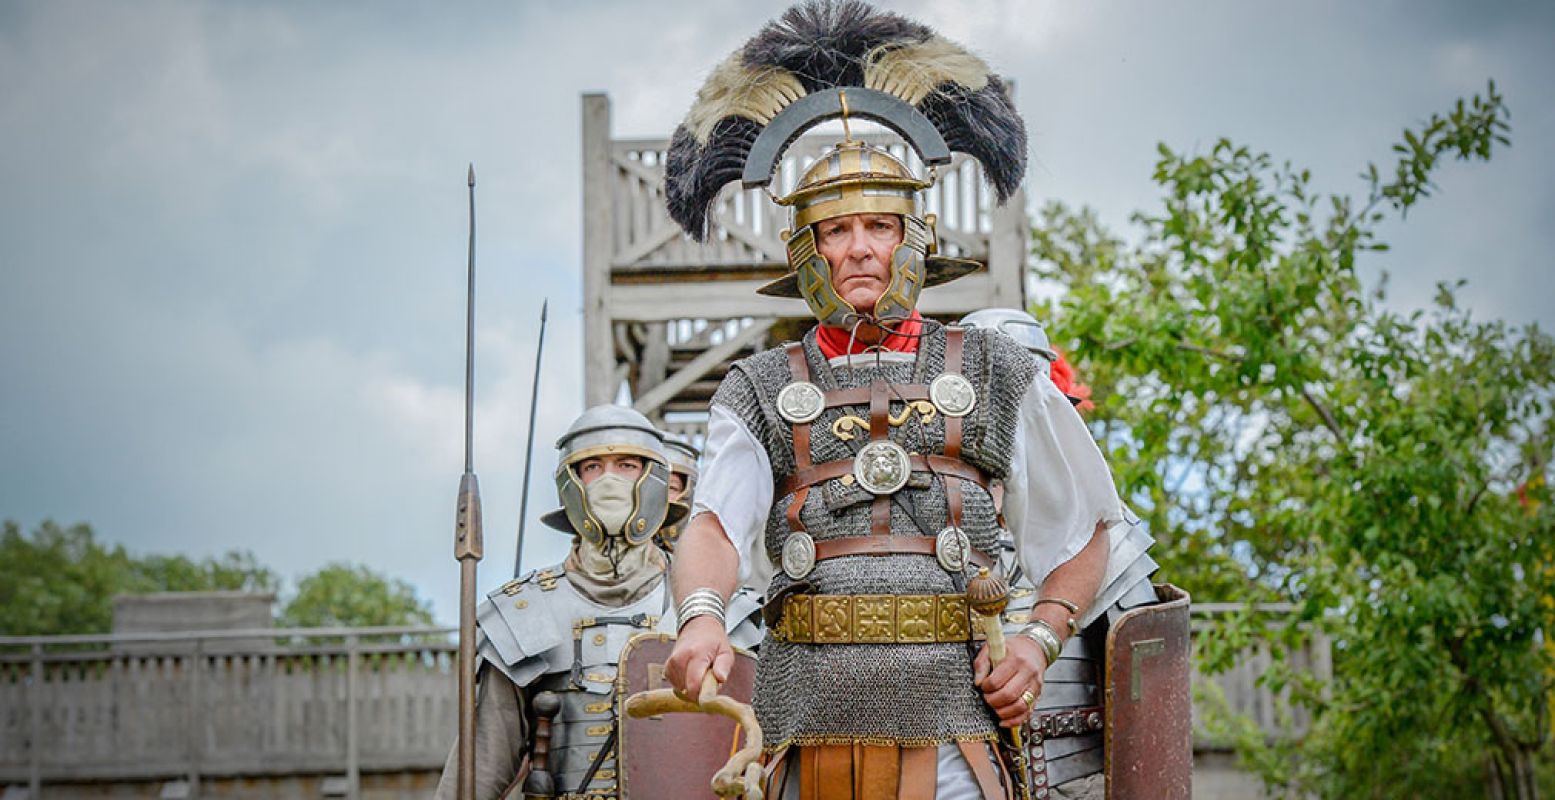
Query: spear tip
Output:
(543,307)
(472,174)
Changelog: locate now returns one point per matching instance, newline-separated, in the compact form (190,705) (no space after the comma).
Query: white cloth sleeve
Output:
(1059,485)
(735,485)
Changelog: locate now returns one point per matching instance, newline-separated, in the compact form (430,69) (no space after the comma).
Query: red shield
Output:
(673,755)
(1149,733)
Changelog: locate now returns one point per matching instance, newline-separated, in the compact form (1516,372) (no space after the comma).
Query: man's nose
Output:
(858,245)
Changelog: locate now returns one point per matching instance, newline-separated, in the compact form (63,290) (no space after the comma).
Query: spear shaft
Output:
(529,444)
(468,544)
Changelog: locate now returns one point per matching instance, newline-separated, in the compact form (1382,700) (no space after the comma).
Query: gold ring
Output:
(1028,698)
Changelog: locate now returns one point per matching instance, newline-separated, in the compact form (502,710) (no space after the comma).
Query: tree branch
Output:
(1223,356)
(1327,416)
(1474,501)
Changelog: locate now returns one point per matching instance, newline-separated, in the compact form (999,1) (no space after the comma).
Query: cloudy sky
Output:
(232,234)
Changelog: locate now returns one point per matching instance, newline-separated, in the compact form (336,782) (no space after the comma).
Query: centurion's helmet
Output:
(1017,325)
(841,59)
(612,430)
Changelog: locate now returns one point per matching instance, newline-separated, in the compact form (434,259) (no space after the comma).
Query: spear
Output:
(529,444)
(468,546)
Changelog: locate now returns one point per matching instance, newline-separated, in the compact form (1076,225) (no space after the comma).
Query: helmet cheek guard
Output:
(575,503)
(908,271)
(813,278)
(651,504)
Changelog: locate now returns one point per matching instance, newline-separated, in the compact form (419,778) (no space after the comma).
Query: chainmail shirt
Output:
(911,694)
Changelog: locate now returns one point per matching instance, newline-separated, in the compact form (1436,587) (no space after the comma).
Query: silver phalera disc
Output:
(882,467)
(953,395)
(952,547)
(800,401)
(798,555)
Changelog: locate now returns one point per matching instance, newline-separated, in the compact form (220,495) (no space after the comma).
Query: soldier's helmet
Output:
(683,457)
(843,60)
(1020,326)
(612,430)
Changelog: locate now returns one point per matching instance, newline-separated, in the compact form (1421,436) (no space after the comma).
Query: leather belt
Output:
(875,619)
(831,470)
(1069,722)
(887,545)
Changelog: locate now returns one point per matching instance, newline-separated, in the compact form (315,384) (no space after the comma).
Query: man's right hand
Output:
(702,643)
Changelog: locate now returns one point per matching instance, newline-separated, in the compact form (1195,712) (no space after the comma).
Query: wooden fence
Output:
(187,706)
(320,701)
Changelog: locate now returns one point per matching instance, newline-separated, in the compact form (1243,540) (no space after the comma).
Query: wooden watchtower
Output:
(664,316)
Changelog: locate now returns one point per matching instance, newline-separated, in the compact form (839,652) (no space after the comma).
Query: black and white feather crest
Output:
(821,44)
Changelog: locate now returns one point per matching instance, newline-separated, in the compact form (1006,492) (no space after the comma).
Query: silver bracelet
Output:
(1045,637)
(701,602)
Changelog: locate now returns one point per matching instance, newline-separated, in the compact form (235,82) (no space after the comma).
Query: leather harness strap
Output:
(948,467)
(977,756)
(800,367)
(831,470)
(879,430)
(953,429)
(836,398)
(886,545)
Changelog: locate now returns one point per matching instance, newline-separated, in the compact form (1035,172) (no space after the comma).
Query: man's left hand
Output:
(1019,672)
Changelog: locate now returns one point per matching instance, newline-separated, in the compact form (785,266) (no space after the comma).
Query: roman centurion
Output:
(850,473)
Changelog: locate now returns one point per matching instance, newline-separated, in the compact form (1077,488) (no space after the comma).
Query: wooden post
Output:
(196,722)
(353,742)
(654,365)
(1008,239)
(1007,243)
(35,722)
(599,367)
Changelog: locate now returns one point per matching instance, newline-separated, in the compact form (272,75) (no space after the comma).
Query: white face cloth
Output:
(610,498)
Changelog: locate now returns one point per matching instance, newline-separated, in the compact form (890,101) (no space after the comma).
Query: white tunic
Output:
(1058,489)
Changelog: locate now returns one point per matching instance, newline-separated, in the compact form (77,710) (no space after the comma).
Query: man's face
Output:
(858,247)
(677,486)
(628,467)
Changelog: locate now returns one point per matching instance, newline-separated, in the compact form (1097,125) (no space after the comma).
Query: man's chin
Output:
(862,300)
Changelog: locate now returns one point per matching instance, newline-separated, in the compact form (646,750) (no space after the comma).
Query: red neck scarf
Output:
(834,341)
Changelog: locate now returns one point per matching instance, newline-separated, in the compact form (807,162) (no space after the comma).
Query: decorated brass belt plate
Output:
(800,401)
(953,548)
(953,395)
(798,555)
(882,467)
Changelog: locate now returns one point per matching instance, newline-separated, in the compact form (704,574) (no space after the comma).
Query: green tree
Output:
(1289,438)
(348,595)
(60,580)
